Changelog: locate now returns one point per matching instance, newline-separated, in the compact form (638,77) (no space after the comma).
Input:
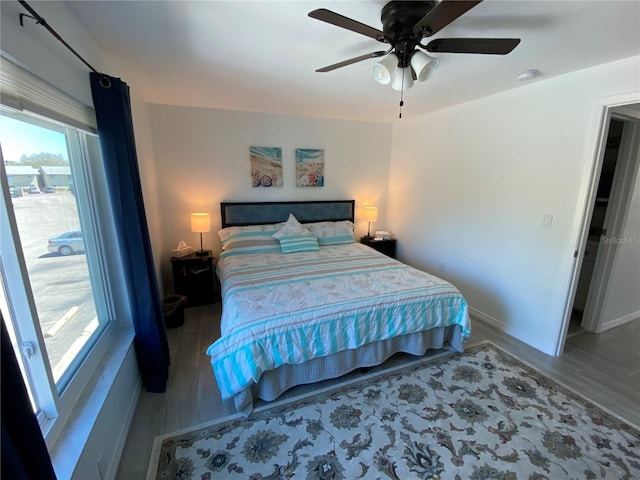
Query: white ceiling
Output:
(261,55)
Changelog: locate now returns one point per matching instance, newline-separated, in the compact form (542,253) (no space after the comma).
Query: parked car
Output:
(16,192)
(67,243)
(49,189)
(34,189)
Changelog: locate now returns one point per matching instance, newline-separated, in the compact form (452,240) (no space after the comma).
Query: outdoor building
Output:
(55,176)
(22,176)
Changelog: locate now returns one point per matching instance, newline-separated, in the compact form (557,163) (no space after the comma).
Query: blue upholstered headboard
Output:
(257,213)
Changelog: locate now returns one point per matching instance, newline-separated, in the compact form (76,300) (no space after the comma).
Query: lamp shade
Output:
(382,71)
(370,214)
(424,65)
(200,222)
(400,81)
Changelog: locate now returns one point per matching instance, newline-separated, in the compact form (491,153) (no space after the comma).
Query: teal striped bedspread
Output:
(288,308)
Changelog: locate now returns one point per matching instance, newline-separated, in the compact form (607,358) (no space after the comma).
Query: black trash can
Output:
(173,310)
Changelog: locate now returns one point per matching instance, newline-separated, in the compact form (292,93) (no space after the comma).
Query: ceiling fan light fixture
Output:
(383,70)
(424,65)
(404,25)
(400,81)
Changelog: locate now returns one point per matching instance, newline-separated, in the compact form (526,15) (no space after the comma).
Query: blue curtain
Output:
(115,128)
(24,452)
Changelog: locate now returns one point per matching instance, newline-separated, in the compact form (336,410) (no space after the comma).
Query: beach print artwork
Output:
(309,168)
(266,166)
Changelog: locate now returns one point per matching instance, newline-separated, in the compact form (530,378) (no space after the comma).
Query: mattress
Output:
(289,309)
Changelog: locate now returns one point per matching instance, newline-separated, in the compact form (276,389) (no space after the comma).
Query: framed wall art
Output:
(309,167)
(266,166)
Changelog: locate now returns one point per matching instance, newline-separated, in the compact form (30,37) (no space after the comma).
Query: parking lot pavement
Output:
(61,284)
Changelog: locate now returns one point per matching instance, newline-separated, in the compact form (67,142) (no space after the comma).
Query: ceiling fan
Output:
(404,25)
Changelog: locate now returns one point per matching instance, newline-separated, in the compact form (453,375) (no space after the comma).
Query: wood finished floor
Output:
(605,368)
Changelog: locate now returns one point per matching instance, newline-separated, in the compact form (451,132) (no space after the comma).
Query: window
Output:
(54,291)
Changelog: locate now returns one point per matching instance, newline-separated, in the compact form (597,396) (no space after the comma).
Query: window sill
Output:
(74,436)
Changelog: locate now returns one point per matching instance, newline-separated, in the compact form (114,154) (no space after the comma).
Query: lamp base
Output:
(201,253)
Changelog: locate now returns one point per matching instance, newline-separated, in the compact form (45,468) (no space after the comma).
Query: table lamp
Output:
(371,215)
(200,222)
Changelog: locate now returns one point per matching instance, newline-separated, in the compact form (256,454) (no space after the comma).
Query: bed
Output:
(314,303)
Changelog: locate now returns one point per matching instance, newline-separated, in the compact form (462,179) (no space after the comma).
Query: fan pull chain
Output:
(404,57)
(401,96)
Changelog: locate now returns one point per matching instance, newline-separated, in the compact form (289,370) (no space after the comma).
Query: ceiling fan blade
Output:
(345,22)
(351,60)
(442,15)
(487,46)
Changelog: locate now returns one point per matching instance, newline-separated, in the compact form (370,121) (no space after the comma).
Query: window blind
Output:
(21,90)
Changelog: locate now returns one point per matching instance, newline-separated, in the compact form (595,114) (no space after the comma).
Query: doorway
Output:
(597,225)
(604,294)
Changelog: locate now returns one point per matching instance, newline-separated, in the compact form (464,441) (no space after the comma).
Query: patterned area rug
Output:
(478,415)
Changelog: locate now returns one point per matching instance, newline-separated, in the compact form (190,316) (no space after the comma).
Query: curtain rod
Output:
(104,80)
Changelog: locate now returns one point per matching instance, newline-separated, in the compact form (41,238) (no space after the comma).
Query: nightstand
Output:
(388,247)
(195,278)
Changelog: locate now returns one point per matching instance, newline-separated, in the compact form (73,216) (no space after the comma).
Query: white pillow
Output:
(291,228)
(294,237)
(332,233)
(250,239)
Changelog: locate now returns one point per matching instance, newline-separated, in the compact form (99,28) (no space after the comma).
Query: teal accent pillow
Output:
(294,237)
(301,243)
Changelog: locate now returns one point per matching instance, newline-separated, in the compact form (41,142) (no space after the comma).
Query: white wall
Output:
(148,176)
(103,432)
(202,158)
(36,50)
(469,187)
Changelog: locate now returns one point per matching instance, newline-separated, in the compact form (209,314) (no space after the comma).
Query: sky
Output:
(18,138)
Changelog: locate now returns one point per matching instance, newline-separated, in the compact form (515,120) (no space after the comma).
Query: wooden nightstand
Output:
(195,278)
(388,247)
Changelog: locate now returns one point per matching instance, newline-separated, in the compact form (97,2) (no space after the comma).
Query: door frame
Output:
(615,220)
(599,130)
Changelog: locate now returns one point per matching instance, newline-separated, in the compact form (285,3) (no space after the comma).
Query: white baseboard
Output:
(616,322)
(474,312)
